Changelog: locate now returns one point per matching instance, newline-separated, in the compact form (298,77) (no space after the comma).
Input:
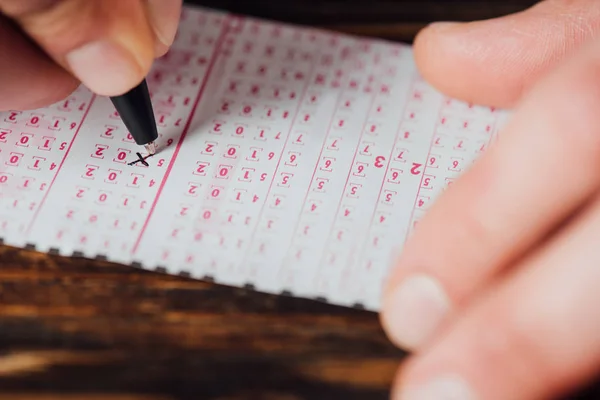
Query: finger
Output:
(546,164)
(28,78)
(535,335)
(495,61)
(108,45)
(164,18)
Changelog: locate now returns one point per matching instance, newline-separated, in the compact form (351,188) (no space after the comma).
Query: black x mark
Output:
(141,159)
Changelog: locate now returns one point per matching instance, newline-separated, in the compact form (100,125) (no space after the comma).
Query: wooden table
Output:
(79,329)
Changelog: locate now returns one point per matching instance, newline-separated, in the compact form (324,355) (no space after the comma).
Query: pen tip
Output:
(151,148)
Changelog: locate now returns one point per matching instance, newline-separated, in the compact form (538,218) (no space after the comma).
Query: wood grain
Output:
(80,329)
(80,326)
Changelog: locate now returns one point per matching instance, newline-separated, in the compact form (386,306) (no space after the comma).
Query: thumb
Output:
(494,62)
(108,45)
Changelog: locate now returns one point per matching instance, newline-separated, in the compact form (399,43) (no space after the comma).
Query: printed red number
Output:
(360,168)
(90,171)
(14,159)
(109,131)
(24,140)
(12,117)
(35,120)
(201,168)
(3,135)
(261,135)
(209,148)
(395,174)
(112,176)
(47,143)
(327,163)
(333,145)
(415,169)
(193,189)
(99,152)
(254,154)
(224,171)
(231,151)
(122,155)
(36,163)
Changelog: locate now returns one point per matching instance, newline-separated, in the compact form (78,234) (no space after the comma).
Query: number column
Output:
(462,133)
(364,175)
(287,64)
(240,133)
(104,193)
(398,183)
(33,145)
(299,159)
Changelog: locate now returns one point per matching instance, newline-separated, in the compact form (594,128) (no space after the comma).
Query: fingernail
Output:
(443,388)
(443,25)
(104,67)
(164,16)
(414,310)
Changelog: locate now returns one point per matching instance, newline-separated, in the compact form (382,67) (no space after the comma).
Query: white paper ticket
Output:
(292,160)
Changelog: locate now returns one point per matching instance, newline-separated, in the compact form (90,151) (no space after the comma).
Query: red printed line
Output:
(37,212)
(493,131)
(213,61)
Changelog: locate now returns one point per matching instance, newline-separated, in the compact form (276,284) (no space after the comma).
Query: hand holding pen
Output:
(47,48)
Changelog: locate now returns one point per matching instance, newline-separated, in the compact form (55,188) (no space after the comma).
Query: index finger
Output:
(545,165)
(108,45)
(494,62)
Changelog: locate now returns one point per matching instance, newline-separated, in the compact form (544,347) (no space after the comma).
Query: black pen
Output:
(135,109)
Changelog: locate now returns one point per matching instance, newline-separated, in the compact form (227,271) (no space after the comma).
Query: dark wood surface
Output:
(80,329)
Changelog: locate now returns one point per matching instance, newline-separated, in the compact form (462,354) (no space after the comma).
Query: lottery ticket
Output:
(291,160)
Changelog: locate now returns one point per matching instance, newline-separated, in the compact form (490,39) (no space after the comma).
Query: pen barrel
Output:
(135,109)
